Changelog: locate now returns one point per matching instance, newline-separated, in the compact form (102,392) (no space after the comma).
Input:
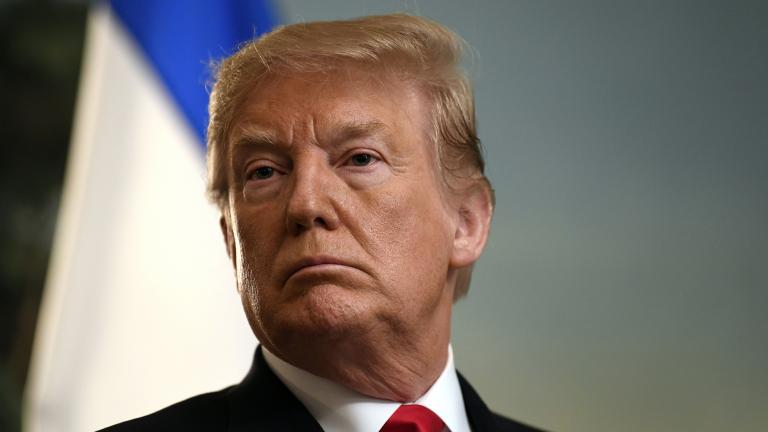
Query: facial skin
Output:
(345,243)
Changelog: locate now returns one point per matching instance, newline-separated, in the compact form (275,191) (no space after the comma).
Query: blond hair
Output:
(424,51)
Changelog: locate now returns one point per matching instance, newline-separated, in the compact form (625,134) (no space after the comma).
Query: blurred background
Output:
(625,286)
(40,49)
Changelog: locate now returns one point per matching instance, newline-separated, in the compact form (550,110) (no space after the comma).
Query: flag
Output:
(140,307)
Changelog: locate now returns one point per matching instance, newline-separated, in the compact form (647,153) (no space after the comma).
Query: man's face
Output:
(338,226)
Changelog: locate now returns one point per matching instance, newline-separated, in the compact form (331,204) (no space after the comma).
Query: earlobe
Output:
(474,222)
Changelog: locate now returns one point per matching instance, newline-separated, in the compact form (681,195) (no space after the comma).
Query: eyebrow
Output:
(353,130)
(253,136)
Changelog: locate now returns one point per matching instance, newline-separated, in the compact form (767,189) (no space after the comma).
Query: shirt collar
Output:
(338,408)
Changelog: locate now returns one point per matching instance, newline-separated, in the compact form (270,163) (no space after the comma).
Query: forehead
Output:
(297,105)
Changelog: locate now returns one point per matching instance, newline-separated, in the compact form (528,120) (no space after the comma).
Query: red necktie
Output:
(413,418)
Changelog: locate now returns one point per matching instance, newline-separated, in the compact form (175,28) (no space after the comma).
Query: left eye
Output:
(361,159)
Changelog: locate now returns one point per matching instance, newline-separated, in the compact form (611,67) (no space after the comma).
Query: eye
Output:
(262,173)
(361,159)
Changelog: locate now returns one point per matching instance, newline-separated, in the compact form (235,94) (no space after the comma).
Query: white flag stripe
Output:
(138,267)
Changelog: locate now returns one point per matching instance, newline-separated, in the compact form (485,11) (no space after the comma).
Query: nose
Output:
(312,202)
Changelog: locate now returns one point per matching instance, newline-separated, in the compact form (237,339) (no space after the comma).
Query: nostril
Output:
(319,221)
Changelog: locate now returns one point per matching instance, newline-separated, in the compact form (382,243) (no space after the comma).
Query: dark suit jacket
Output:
(261,402)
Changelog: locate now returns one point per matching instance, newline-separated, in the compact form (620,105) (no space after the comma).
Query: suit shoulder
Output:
(205,412)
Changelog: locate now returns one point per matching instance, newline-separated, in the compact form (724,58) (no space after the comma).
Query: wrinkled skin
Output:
(344,241)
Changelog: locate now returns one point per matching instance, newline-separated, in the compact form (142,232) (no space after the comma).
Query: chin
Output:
(323,313)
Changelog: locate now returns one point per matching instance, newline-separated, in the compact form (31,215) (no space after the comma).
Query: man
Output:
(344,159)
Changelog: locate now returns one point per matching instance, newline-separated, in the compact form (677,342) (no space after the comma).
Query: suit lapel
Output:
(480,417)
(261,402)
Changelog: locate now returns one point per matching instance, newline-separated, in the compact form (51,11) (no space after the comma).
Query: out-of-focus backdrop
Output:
(625,286)
(40,49)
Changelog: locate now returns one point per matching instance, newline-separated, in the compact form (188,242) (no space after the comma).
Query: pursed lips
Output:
(314,261)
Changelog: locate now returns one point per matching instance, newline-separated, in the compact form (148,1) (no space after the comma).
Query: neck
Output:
(398,367)
(385,372)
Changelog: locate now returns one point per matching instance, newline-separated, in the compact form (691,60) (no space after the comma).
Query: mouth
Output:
(316,263)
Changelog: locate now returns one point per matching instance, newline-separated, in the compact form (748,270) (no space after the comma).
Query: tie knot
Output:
(413,418)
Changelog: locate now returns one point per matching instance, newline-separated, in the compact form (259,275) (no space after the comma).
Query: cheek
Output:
(257,240)
(411,237)
(416,215)
(256,248)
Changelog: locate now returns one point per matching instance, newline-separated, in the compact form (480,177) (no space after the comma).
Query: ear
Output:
(475,210)
(229,238)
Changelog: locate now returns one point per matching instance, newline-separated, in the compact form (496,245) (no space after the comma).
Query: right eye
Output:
(262,173)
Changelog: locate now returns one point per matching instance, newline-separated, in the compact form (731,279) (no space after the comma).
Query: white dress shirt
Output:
(339,409)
